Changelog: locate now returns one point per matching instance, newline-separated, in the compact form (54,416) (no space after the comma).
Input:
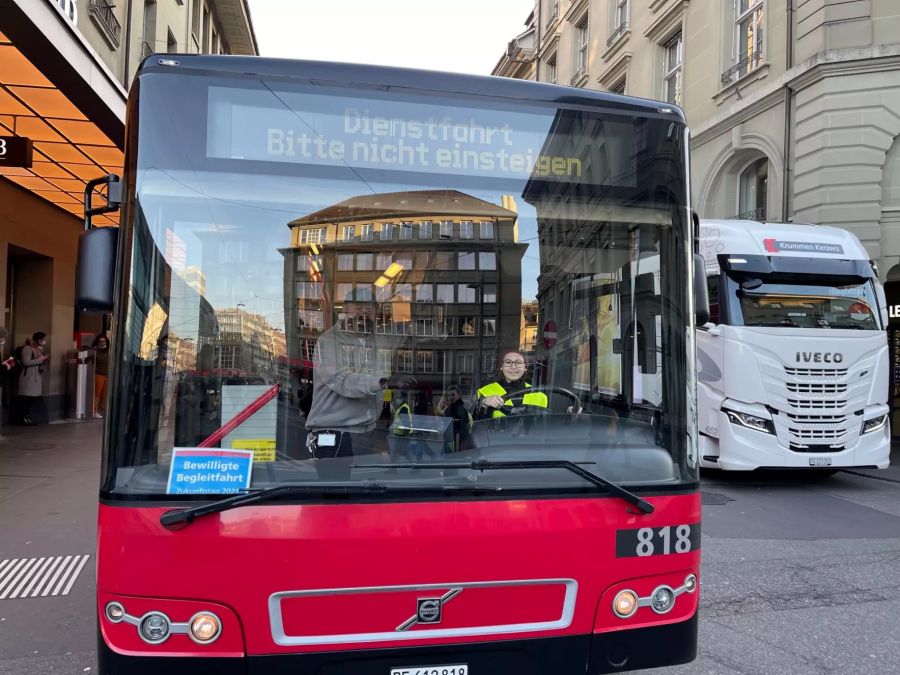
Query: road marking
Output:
(39,577)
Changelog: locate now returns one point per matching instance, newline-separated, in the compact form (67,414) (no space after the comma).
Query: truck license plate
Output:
(451,669)
(820,461)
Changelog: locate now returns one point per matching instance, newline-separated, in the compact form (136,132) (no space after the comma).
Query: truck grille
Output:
(817,419)
(816,405)
(816,373)
(816,388)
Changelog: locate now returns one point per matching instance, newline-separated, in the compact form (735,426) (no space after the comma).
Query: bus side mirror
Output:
(96,271)
(701,294)
(882,304)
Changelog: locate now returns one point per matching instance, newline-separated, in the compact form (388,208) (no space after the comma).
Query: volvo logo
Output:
(429,610)
(820,357)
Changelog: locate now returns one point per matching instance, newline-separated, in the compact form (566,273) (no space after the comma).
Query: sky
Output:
(465,36)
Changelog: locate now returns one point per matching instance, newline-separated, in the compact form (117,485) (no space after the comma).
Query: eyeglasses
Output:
(513,363)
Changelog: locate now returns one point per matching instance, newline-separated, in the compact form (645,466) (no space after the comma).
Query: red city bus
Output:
(385,228)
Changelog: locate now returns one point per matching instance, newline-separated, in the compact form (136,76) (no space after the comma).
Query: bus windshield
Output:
(350,283)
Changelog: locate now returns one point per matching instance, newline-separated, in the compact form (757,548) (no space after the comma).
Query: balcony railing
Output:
(617,33)
(102,13)
(745,65)
(756,214)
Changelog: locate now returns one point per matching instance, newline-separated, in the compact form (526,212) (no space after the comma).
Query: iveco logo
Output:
(820,357)
(429,610)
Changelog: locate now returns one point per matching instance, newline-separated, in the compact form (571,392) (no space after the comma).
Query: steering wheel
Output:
(522,408)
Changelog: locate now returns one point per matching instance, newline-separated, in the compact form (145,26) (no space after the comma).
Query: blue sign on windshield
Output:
(209,471)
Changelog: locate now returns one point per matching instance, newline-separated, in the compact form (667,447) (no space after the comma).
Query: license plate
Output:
(451,669)
(820,461)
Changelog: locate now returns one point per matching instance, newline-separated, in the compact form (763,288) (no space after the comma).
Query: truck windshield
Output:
(336,279)
(812,303)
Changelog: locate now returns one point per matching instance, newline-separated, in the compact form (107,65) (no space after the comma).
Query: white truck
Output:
(793,365)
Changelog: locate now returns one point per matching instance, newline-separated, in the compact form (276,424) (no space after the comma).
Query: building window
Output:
(466,363)
(747,48)
(424,293)
(315,236)
(467,293)
(309,263)
(195,21)
(383,261)
(307,292)
(424,361)
(674,55)
(552,11)
(406,230)
(445,293)
(384,361)
(486,230)
(619,19)
(367,229)
(425,327)
(753,191)
(488,361)
(387,231)
(551,70)
(343,293)
(363,262)
(345,262)
(490,293)
(205,29)
(487,260)
(466,229)
(404,360)
(581,49)
(489,327)
(446,229)
(404,293)
(364,292)
(425,229)
(310,320)
(348,232)
(618,87)
(465,260)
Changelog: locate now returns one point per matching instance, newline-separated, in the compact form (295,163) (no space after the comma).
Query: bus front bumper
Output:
(651,647)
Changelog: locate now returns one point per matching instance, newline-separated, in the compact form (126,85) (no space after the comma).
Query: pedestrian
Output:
(6,366)
(31,380)
(452,405)
(101,374)
(348,388)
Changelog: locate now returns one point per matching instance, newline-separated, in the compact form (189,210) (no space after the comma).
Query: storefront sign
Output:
(15,151)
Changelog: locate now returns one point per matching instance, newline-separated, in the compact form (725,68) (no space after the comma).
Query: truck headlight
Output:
(754,422)
(874,424)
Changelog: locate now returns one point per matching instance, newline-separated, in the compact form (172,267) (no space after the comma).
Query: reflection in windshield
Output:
(808,305)
(313,312)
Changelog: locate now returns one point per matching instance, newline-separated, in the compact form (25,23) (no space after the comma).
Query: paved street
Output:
(799,576)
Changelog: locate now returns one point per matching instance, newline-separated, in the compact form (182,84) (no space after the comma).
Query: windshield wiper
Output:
(188,515)
(490,465)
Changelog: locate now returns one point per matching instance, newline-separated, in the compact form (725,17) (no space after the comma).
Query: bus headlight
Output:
(874,424)
(154,628)
(205,627)
(749,421)
(625,604)
(662,600)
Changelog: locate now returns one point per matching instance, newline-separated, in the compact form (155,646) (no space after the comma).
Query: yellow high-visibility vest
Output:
(404,428)
(537,398)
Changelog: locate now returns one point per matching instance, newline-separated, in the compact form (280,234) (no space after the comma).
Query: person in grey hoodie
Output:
(348,388)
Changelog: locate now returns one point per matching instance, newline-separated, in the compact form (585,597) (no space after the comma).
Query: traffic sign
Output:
(550,334)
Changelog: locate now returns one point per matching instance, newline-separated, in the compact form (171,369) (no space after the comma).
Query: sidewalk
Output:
(49,480)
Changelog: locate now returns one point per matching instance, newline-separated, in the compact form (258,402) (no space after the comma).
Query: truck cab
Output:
(793,364)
